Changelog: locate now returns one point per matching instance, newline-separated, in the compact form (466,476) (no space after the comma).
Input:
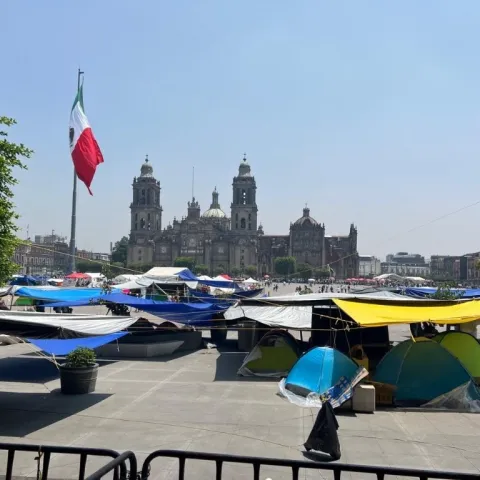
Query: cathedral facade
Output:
(223,243)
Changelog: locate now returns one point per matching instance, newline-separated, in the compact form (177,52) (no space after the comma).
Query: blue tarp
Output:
(25,280)
(59,295)
(428,291)
(116,297)
(57,346)
(187,275)
(219,284)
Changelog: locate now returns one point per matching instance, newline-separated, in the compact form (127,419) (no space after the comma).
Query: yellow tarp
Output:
(370,314)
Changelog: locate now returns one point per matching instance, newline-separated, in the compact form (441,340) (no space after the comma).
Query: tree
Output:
(251,271)
(119,252)
(304,270)
(285,265)
(201,269)
(11,156)
(219,270)
(187,262)
(235,272)
(322,272)
(92,266)
(446,292)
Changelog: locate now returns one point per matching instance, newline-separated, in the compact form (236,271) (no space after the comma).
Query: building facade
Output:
(406,264)
(41,258)
(223,243)
(369,266)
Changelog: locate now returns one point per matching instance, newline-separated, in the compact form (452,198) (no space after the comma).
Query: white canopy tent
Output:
(250,281)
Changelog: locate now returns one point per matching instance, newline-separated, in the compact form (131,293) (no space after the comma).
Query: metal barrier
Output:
(44,455)
(117,462)
(295,466)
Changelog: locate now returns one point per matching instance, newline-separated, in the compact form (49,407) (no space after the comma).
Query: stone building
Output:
(224,243)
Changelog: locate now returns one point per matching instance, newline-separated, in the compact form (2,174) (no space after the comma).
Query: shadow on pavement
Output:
(24,413)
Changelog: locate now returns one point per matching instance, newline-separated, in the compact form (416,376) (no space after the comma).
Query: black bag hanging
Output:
(324,437)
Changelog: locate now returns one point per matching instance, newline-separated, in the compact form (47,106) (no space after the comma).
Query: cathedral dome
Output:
(306,219)
(244,168)
(214,211)
(146,169)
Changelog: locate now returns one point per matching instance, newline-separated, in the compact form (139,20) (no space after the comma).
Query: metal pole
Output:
(74,203)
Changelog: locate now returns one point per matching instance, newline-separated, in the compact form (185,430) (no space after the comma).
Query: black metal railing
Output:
(114,464)
(293,465)
(45,452)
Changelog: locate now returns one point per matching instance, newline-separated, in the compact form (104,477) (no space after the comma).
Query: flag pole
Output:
(74,202)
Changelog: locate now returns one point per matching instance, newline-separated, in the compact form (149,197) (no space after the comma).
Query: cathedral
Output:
(226,244)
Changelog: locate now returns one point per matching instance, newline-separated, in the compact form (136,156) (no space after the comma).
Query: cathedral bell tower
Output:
(145,215)
(244,205)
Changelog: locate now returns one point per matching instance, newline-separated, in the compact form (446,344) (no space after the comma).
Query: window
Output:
(249,226)
(242,224)
(249,216)
(148,217)
(236,225)
(136,216)
(236,217)
(243,200)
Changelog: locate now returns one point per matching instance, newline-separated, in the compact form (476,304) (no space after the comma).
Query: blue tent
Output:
(420,371)
(318,370)
(423,292)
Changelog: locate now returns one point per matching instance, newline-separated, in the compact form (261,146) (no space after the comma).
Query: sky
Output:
(368,111)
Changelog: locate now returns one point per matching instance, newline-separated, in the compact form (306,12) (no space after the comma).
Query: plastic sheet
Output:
(465,398)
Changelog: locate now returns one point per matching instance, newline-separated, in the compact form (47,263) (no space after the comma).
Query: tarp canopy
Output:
(428,291)
(250,280)
(63,346)
(24,280)
(369,314)
(281,316)
(166,274)
(58,294)
(116,297)
(125,277)
(34,324)
(77,276)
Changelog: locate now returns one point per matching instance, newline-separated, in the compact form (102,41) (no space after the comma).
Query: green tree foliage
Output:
(218,270)
(304,270)
(187,262)
(119,252)
(235,272)
(322,272)
(201,269)
(445,292)
(251,271)
(11,156)
(84,265)
(285,265)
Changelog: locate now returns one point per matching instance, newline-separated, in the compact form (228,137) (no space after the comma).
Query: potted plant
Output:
(79,372)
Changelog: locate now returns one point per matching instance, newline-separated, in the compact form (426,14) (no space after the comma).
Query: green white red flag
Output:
(86,154)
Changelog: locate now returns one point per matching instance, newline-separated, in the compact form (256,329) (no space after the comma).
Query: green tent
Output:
(464,347)
(273,356)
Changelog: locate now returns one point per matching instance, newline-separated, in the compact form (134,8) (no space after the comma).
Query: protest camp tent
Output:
(421,370)
(318,370)
(464,347)
(273,356)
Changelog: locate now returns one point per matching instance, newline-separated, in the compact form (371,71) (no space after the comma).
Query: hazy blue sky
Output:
(369,111)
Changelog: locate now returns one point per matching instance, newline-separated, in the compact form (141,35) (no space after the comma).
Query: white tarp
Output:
(84,324)
(125,277)
(250,280)
(5,291)
(286,316)
(309,297)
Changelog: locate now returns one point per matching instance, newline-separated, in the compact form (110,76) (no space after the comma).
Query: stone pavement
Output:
(196,402)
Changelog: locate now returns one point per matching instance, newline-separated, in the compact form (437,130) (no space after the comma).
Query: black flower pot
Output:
(78,380)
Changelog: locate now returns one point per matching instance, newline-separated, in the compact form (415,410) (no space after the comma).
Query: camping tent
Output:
(273,356)
(318,370)
(420,370)
(464,347)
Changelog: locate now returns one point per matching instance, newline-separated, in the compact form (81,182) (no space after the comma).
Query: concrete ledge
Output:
(151,346)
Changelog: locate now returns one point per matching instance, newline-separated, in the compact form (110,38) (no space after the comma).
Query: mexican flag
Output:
(86,154)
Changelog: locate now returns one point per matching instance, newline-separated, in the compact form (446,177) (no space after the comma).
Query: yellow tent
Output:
(368,314)
(464,347)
